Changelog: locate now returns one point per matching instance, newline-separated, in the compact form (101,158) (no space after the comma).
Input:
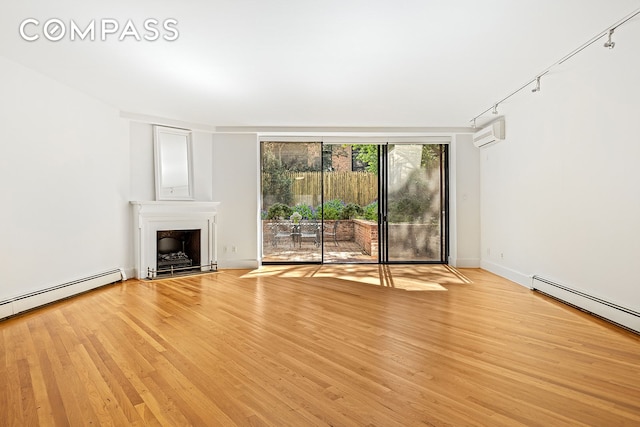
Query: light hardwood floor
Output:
(310,345)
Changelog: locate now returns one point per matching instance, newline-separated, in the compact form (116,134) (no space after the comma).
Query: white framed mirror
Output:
(172,152)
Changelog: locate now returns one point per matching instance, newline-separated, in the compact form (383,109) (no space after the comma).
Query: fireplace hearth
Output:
(178,251)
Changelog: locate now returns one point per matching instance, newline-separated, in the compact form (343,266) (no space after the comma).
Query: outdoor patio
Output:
(341,251)
(347,241)
(344,241)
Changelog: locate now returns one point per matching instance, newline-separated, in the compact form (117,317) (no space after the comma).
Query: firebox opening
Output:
(178,251)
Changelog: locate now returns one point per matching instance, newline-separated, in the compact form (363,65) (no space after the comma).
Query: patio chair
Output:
(280,230)
(330,232)
(310,230)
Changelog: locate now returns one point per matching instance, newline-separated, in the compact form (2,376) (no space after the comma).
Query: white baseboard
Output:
(129,273)
(465,262)
(508,273)
(601,307)
(6,309)
(239,263)
(19,304)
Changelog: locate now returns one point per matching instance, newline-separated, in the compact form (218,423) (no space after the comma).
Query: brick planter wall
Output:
(366,235)
(344,232)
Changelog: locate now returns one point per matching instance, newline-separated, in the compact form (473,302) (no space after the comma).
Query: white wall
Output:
(142,162)
(464,202)
(560,197)
(64,165)
(236,185)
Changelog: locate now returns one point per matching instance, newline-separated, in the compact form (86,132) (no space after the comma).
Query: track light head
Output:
(537,88)
(609,43)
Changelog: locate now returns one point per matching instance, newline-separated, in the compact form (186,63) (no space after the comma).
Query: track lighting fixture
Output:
(610,44)
(537,88)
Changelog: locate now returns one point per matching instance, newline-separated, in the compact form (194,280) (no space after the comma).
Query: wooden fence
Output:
(350,187)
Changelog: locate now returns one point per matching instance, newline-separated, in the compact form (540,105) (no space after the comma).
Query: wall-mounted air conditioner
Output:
(490,134)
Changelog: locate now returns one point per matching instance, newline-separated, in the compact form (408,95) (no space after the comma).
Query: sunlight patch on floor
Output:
(283,271)
(407,277)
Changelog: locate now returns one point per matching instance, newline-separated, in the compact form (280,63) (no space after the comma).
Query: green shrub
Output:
(305,210)
(331,209)
(371,211)
(351,210)
(279,210)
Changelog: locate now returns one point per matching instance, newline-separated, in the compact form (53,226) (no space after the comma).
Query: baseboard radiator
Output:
(19,304)
(622,316)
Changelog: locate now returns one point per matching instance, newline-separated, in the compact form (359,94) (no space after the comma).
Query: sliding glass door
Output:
(350,203)
(291,197)
(414,206)
(353,203)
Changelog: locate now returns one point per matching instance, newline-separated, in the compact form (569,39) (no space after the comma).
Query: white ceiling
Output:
(376,63)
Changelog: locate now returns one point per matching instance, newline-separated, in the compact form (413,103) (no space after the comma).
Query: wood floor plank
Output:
(29,413)
(165,407)
(97,395)
(59,414)
(109,399)
(44,411)
(335,345)
(10,375)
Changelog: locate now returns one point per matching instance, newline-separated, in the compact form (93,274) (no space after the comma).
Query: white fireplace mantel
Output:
(149,217)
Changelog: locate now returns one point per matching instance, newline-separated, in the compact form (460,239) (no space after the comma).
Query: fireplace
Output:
(178,251)
(174,236)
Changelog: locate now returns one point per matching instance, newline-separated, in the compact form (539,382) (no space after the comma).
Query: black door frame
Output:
(383,204)
(383,225)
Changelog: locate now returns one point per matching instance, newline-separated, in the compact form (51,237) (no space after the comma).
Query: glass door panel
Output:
(350,203)
(291,175)
(414,228)
(321,202)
